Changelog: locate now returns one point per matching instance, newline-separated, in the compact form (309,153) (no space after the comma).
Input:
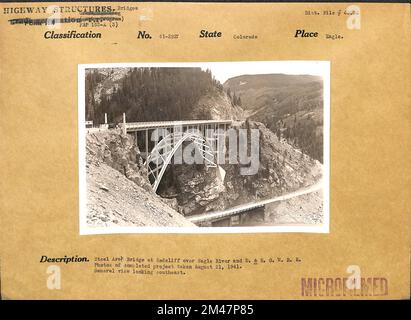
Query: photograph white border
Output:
(320,68)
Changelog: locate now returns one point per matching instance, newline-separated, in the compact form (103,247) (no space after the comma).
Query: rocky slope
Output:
(188,189)
(282,169)
(110,80)
(217,106)
(118,192)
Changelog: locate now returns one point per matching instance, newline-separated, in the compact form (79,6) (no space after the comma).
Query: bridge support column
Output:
(242,217)
(147,149)
(124,123)
(270,210)
(222,223)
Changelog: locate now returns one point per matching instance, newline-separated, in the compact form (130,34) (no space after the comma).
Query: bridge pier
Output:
(242,218)
(222,223)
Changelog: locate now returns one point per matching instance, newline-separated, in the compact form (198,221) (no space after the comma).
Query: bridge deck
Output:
(218,215)
(139,126)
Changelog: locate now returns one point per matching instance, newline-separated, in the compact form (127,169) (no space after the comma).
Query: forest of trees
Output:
(150,94)
(235,100)
(303,134)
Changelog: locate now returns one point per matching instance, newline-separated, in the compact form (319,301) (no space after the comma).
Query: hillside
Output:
(156,94)
(275,85)
(118,191)
(289,105)
(216,106)
(101,83)
(282,169)
(118,185)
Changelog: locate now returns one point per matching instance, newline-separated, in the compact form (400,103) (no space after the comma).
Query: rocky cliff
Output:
(118,191)
(282,169)
(217,106)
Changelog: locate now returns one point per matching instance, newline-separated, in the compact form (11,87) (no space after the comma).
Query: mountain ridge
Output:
(289,105)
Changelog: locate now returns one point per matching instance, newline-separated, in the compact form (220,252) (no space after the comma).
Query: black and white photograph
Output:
(204,147)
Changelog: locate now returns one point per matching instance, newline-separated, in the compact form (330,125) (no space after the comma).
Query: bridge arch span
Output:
(162,154)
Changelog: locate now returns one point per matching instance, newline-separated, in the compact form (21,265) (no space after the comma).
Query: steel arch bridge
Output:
(163,152)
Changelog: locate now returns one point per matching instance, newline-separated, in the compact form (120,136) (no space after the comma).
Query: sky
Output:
(225,70)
